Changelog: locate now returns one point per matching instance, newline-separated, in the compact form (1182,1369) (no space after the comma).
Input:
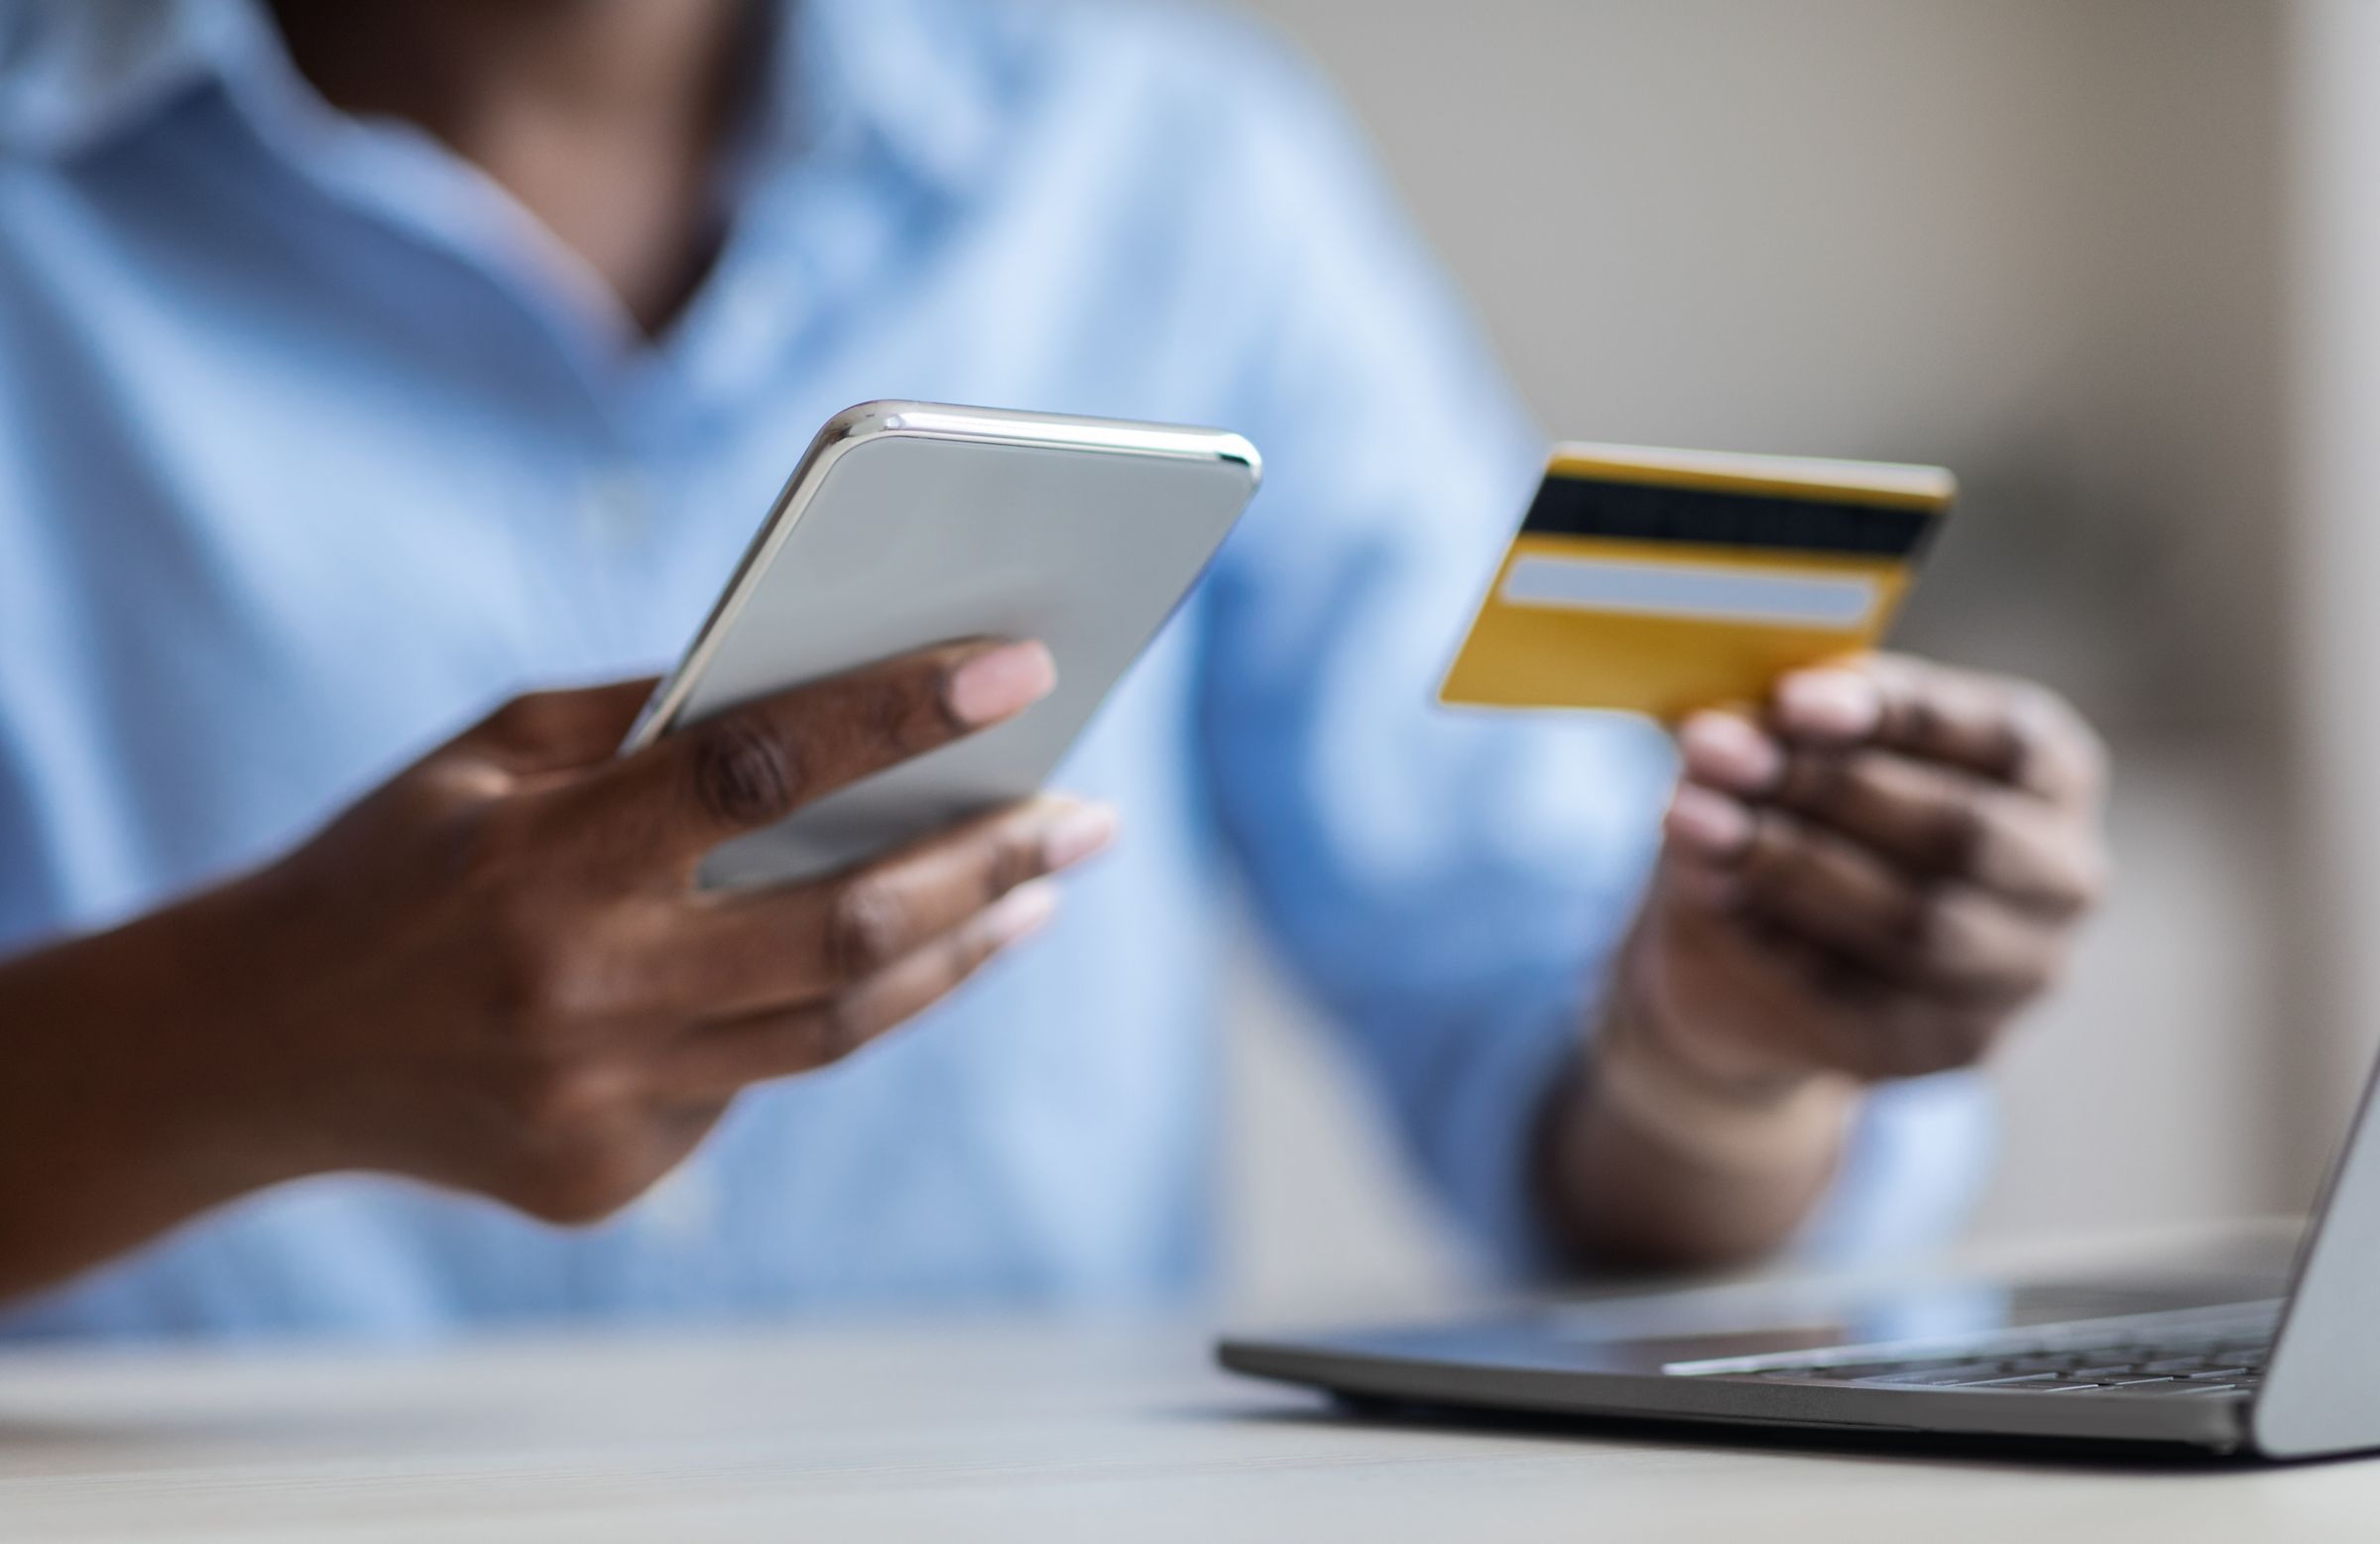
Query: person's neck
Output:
(602,116)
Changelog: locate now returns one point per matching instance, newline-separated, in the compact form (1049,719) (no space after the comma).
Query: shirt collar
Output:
(74,74)
(915,81)
(918,80)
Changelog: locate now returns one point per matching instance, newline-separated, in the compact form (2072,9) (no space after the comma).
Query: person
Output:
(378,368)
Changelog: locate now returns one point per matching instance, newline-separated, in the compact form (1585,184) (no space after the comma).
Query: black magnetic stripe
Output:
(1571,506)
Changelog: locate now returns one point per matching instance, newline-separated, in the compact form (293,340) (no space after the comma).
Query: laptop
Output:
(2276,1364)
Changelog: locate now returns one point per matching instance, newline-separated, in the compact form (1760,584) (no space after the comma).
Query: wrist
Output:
(123,1116)
(161,1054)
(249,1093)
(1731,1119)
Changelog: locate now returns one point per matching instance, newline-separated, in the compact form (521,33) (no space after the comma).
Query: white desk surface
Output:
(984,1433)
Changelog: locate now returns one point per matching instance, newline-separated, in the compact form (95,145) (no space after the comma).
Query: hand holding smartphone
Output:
(495,973)
(910,523)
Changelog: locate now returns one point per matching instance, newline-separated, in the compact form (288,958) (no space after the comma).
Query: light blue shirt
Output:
(314,446)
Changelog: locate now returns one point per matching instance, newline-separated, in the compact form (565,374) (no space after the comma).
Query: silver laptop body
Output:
(2275,1362)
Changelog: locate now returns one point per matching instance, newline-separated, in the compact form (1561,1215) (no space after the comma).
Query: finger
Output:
(2008,731)
(1728,752)
(1708,824)
(1939,822)
(754,765)
(1827,1007)
(554,731)
(721,1059)
(747,953)
(1943,937)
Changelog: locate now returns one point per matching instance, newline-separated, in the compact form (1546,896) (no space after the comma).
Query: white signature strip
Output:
(1685,590)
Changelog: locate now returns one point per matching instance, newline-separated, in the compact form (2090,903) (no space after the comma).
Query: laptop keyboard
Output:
(2117,1370)
(2202,1361)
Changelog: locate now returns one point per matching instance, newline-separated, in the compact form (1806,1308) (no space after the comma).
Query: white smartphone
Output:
(912,524)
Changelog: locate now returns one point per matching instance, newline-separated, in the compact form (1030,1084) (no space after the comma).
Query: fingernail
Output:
(1708,822)
(1021,913)
(1001,683)
(1834,703)
(1075,832)
(1723,748)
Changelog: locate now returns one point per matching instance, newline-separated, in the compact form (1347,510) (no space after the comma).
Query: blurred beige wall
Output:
(2330,628)
(2040,241)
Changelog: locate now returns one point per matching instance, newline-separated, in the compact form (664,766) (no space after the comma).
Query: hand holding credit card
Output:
(1663,581)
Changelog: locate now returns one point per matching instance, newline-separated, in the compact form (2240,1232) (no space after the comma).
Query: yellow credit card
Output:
(1663,581)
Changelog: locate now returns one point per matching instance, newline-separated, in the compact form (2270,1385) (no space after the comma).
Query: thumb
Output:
(558,731)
